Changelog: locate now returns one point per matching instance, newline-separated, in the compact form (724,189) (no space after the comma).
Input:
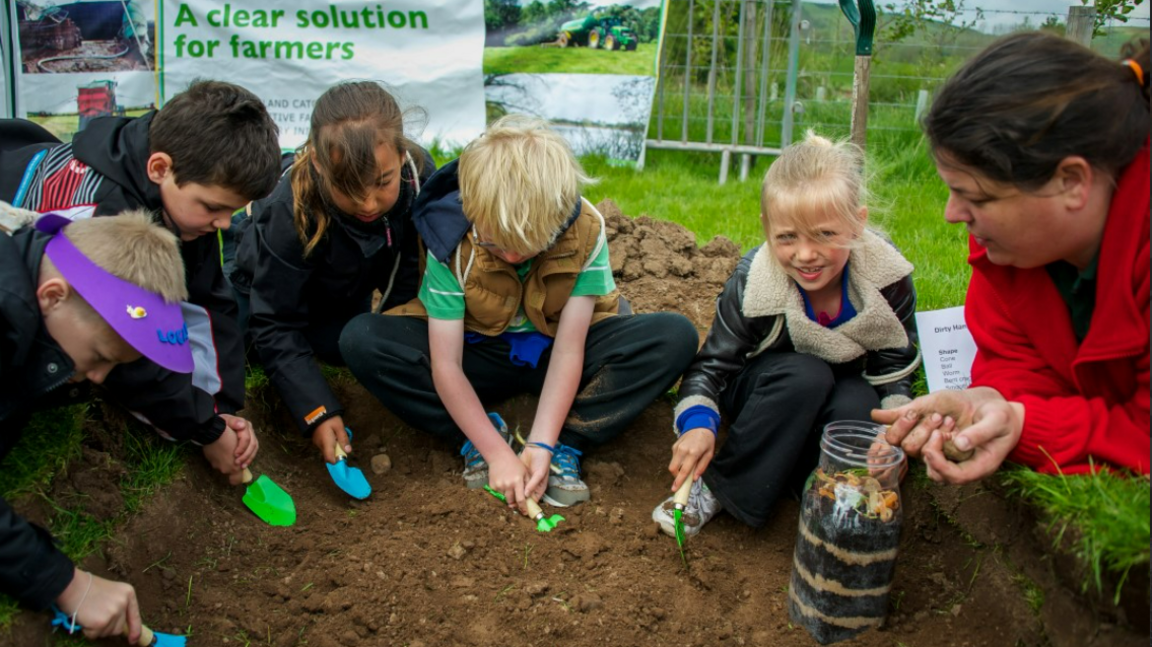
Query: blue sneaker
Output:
(475,467)
(564,485)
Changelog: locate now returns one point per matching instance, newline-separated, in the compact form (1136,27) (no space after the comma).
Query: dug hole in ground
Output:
(426,562)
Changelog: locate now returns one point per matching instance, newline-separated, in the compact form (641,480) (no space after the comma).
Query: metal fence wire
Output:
(744,77)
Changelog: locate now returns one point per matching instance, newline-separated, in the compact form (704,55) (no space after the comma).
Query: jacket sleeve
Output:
(187,406)
(279,315)
(32,569)
(1062,428)
(407,280)
(891,370)
(725,351)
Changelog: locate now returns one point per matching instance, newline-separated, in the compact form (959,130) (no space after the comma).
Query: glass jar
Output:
(850,518)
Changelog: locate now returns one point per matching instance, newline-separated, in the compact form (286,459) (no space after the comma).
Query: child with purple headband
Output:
(76,299)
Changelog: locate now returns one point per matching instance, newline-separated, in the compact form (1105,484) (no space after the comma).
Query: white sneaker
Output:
(702,506)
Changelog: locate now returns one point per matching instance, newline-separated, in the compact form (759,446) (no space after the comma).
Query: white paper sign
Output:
(947,347)
(288,52)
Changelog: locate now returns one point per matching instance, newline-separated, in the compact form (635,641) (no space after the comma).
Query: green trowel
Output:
(679,502)
(268,501)
(543,523)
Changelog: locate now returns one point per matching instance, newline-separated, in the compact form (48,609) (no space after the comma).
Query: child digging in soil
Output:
(78,299)
(208,152)
(813,326)
(517,296)
(336,228)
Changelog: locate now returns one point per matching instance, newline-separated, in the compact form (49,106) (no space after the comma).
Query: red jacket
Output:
(1082,401)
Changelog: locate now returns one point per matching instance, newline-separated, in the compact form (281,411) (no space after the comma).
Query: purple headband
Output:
(154,327)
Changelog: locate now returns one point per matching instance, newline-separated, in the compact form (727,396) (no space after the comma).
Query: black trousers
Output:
(778,405)
(629,361)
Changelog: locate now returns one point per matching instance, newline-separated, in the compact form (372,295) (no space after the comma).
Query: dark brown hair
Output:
(1029,100)
(219,134)
(348,122)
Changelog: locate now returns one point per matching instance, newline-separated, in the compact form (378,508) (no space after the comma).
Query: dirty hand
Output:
(538,462)
(109,608)
(246,443)
(691,454)
(222,455)
(327,434)
(911,425)
(508,476)
(994,432)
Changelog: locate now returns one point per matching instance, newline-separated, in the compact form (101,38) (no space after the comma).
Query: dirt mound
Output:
(427,562)
(658,265)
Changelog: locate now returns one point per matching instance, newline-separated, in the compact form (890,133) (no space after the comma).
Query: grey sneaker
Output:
(702,506)
(564,485)
(475,467)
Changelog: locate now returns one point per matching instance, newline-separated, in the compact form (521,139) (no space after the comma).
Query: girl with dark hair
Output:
(336,228)
(1044,146)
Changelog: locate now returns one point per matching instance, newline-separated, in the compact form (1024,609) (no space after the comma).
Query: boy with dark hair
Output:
(209,151)
(76,300)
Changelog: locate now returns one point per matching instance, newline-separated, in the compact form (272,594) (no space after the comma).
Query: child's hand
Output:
(911,425)
(995,430)
(508,476)
(109,608)
(327,434)
(222,455)
(691,455)
(246,443)
(539,463)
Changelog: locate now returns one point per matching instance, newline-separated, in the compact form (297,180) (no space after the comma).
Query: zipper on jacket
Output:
(388,231)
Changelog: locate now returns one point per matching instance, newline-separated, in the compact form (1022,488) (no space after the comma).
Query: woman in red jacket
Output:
(1044,147)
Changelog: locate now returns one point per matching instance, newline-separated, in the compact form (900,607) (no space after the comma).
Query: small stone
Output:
(537,589)
(381,463)
(586,602)
(457,551)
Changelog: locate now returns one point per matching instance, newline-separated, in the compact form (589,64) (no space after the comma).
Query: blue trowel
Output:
(349,479)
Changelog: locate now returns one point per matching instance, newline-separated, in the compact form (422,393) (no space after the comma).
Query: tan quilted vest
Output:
(493,291)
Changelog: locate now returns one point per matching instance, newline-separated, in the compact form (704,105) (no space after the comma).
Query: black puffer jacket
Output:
(761,310)
(34,374)
(289,291)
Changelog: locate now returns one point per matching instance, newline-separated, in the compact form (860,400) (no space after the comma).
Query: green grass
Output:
(51,441)
(570,60)
(1104,516)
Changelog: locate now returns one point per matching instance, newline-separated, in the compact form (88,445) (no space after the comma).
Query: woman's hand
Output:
(691,454)
(327,434)
(911,425)
(994,432)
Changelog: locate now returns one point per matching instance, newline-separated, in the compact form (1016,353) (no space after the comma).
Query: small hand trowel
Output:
(148,638)
(679,502)
(268,501)
(350,479)
(543,524)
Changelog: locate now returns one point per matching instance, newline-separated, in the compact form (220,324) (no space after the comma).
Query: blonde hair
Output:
(811,181)
(519,183)
(131,247)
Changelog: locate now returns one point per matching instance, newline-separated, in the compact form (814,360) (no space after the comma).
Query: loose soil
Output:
(426,562)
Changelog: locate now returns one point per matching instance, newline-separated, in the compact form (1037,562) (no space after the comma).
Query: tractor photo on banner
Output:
(288,52)
(588,67)
(75,61)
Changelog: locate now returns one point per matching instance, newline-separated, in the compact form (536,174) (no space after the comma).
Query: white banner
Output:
(74,61)
(288,52)
(948,348)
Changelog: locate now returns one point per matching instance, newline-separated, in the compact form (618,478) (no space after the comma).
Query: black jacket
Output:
(288,292)
(33,374)
(761,310)
(104,165)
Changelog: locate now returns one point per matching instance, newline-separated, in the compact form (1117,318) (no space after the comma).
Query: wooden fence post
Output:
(1081,24)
